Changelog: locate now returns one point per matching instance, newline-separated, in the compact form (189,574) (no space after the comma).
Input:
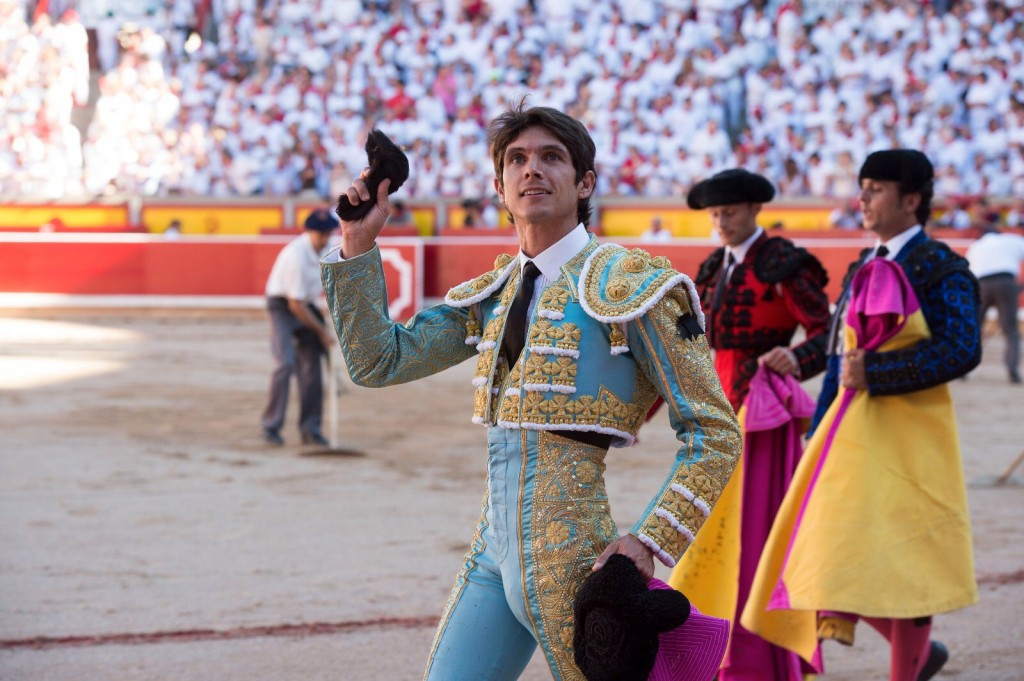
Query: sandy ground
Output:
(147,532)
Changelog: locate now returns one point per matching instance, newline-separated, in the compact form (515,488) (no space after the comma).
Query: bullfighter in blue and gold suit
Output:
(573,342)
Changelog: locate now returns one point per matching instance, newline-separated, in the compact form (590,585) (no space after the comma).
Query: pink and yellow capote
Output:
(875,521)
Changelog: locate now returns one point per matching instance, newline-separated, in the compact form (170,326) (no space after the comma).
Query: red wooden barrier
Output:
(146,265)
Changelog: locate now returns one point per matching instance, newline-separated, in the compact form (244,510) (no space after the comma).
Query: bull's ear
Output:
(389,158)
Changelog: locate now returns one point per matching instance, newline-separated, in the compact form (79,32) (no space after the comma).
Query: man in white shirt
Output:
(298,335)
(995,259)
(656,233)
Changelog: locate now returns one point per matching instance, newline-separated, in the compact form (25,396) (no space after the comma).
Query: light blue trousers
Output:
(545,521)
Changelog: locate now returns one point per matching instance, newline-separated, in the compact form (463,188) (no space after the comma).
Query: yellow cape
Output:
(708,573)
(885,532)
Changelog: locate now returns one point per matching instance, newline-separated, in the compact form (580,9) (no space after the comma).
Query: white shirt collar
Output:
(898,242)
(740,252)
(550,261)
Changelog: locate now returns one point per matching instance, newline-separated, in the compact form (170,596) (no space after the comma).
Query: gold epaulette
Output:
(618,285)
(473,291)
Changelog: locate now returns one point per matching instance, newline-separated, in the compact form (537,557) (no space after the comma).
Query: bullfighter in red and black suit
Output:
(757,289)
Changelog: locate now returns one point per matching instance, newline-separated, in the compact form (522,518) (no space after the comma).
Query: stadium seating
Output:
(231,103)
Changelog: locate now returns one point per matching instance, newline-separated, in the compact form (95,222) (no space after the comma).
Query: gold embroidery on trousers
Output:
(571,525)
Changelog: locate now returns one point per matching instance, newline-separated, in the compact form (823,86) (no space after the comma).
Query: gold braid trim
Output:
(691,371)
(482,287)
(571,525)
(619,285)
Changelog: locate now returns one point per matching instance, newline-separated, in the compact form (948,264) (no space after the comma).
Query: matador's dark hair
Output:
(505,128)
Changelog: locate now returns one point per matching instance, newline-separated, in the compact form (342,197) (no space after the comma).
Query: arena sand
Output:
(148,533)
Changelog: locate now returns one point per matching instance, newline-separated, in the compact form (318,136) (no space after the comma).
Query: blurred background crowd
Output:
(274,97)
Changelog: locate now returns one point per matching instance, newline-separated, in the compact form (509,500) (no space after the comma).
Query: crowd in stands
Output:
(274,97)
(44,74)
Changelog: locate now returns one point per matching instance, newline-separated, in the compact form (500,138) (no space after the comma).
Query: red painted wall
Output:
(136,267)
(145,265)
(452,261)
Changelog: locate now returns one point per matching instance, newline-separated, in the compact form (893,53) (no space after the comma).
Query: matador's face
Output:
(734,222)
(538,184)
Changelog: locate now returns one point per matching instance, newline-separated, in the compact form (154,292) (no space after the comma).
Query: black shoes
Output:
(938,655)
(272,437)
(314,438)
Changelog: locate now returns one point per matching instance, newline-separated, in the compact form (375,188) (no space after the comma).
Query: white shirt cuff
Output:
(333,255)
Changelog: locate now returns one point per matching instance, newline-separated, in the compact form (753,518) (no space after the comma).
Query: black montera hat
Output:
(618,621)
(735,185)
(321,220)
(909,167)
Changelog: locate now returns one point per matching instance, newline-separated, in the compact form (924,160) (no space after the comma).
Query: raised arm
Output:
(379,352)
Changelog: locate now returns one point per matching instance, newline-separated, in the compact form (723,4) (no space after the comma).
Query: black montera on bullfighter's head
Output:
(386,161)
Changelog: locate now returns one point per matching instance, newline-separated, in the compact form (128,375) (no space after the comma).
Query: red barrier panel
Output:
(135,267)
(451,261)
(149,266)
(415,268)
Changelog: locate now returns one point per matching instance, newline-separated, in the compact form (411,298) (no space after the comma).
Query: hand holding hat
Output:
(386,162)
(629,629)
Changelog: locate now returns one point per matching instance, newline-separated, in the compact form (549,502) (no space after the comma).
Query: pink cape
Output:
(692,651)
(775,415)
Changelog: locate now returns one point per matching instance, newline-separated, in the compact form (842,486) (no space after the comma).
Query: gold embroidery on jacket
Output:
(489,349)
(492,329)
(632,281)
(503,260)
(554,298)
(484,361)
(534,369)
(467,290)
(561,371)
(480,396)
(694,374)
(472,326)
(604,411)
(566,336)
